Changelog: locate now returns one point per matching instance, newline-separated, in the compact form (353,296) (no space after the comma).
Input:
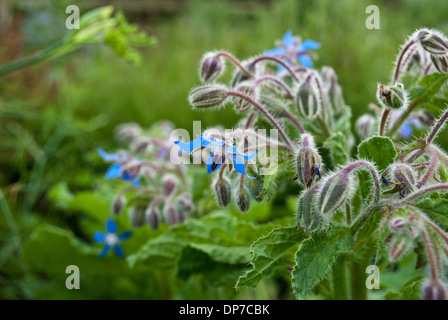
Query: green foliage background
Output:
(54,115)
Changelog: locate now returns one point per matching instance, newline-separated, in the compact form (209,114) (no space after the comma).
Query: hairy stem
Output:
(437,127)
(383,121)
(280,62)
(236,62)
(265,112)
(284,86)
(430,252)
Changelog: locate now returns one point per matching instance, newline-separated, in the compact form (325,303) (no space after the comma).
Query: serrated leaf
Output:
(378,149)
(270,180)
(269,251)
(316,256)
(410,291)
(436,208)
(338,145)
(432,83)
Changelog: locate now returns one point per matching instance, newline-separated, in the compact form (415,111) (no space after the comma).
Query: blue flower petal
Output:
(305,60)
(288,39)
(210,164)
(104,251)
(247,156)
(108,156)
(309,44)
(119,251)
(98,237)
(406,130)
(114,171)
(111,226)
(136,181)
(125,235)
(279,51)
(238,163)
(200,141)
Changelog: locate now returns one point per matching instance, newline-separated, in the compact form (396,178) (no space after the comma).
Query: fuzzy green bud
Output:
(223,192)
(137,215)
(365,126)
(242,199)
(398,248)
(394,97)
(241,76)
(307,98)
(208,96)
(405,176)
(308,217)
(440,62)
(308,161)
(334,193)
(433,42)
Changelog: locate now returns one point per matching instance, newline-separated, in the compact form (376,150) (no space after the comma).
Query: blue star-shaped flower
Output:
(291,49)
(124,167)
(219,150)
(111,239)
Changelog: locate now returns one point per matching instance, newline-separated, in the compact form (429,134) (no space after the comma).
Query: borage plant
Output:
(376,196)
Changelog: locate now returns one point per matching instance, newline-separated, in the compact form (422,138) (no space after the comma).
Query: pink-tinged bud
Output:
(242,199)
(308,217)
(394,97)
(223,192)
(208,96)
(334,193)
(170,214)
(246,89)
(397,224)
(405,176)
(365,126)
(308,161)
(169,184)
(434,290)
(212,67)
(152,217)
(434,43)
(440,62)
(332,88)
(118,204)
(137,215)
(307,98)
(398,248)
(184,201)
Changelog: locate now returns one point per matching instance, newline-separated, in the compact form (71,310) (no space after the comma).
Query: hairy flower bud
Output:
(307,98)
(365,126)
(152,217)
(223,192)
(212,67)
(118,204)
(434,290)
(308,217)
(127,131)
(185,202)
(334,193)
(440,62)
(208,96)
(182,215)
(394,97)
(405,176)
(397,223)
(137,215)
(433,42)
(242,199)
(240,75)
(398,248)
(332,89)
(308,161)
(254,186)
(170,214)
(169,184)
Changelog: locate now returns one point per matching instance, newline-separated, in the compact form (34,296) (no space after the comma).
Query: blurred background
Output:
(54,115)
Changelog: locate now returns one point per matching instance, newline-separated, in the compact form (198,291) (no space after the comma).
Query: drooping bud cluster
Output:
(308,161)
(394,97)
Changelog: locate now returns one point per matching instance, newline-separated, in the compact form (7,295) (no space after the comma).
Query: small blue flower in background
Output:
(407,128)
(219,150)
(111,239)
(291,49)
(124,167)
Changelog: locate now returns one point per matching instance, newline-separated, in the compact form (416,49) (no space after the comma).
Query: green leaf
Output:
(270,180)
(432,83)
(436,208)
(378,149)
(338,145)
(224,238)
(410,291)
(316,256)
(269,252)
